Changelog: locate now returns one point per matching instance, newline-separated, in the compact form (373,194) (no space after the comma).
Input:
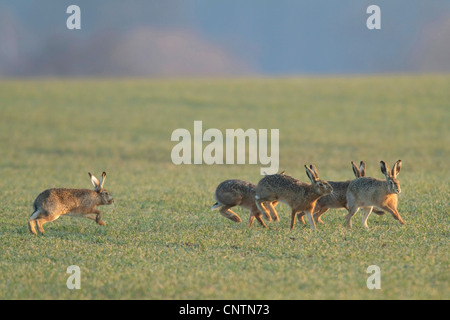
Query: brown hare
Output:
(300,196)
(231,193)
(338,198)
(368,192)
(52,203)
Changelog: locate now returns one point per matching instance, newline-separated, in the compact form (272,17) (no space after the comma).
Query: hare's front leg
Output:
(97,218)
(367,212)
(293,215)
(351,212)
(309,215)
(392,210)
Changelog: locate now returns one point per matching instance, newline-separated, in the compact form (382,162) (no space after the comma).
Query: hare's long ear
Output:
(384,169)
(396,168)
(314,170)
(362,168)
(356,170)
(102,180)
(94,181)
(310,174)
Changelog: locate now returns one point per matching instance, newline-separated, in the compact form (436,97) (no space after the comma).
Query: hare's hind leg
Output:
(227,213)
(300,217)
(272,210)
(32,221)
(41,221)
(31,226)
(317,215)
(293,215)
(262,209)
(251,219)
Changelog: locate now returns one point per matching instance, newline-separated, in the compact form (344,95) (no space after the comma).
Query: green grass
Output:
(161,240)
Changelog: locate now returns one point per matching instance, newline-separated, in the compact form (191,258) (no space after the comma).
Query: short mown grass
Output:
(162,241)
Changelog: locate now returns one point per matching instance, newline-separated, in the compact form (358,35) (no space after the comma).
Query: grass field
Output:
(162,241)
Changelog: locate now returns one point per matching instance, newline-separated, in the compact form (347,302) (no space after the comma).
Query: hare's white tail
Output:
(35,214)
(216,206)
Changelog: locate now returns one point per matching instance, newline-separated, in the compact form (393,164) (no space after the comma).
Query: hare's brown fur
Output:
(235,192)
(368,192)
(300,196)
(52,203)
(338,198)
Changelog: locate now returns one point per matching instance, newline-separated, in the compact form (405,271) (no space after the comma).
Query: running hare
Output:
(231,193)
(368,192)
(300,196)
(338,198)
(53,203)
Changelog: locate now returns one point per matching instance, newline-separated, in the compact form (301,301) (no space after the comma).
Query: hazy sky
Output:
(223,37)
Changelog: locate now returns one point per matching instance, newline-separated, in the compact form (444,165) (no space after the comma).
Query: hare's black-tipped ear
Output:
(396,168)
(314,170)
(310,174)
(102,181)
(384,169)
(362,168)
(94,181)
(356,170)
